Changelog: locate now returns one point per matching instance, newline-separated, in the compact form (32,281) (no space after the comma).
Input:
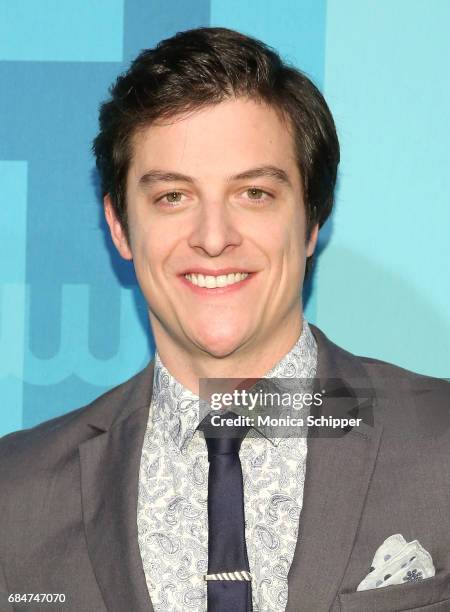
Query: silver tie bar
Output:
(238,575)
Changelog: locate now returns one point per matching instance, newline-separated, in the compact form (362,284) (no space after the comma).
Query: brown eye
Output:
(173,196)
(255,194)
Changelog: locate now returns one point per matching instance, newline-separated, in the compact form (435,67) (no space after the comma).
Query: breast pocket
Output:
(429,595)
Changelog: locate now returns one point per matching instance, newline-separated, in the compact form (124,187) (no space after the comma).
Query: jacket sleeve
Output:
(4,592)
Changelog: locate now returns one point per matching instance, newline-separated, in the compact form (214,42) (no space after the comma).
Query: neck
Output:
(188,364)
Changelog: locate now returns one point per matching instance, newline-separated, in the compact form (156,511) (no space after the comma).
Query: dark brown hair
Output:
(200,67)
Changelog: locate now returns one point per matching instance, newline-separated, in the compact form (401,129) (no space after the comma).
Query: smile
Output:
(212,282)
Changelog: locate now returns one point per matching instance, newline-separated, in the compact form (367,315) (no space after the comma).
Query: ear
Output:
(312,240)
(115,227)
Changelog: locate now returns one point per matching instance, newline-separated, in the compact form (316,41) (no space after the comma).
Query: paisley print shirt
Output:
(172,515)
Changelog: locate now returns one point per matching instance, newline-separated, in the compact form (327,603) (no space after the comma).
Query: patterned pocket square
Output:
(397,562)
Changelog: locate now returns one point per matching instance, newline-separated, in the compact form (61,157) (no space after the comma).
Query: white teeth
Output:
(211,282)
(221,281)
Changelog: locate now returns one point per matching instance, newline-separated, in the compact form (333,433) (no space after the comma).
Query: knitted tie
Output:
(229,586)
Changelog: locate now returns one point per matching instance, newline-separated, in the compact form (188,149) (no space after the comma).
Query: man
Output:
(218,165)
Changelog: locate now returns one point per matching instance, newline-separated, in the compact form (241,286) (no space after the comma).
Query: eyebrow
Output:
(160,176)
(264,171)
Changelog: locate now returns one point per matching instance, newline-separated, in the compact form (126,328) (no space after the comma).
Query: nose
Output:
(215,230)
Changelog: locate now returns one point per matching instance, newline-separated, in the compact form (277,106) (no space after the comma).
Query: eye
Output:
(254,193)
(171,198)
(257,195)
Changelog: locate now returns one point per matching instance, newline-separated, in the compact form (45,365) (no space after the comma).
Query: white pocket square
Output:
(397,562)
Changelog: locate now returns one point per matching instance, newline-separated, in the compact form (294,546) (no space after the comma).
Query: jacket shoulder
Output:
(378,369)
(403,400)
(56,437)
(411,393)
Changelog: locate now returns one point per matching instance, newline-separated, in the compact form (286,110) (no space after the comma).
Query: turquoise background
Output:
(72,321)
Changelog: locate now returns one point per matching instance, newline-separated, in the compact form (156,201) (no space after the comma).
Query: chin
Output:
(218,344)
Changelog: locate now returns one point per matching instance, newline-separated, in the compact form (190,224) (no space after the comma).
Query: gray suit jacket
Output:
(68,497)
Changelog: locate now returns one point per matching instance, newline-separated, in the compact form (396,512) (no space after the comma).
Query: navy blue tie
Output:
(229,585)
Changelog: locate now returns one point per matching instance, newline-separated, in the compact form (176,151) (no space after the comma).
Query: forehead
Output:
(218,140)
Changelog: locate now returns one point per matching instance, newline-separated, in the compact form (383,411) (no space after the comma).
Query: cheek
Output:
(157,256)
(286,245)
(147,250)
(284,235)
(297,238)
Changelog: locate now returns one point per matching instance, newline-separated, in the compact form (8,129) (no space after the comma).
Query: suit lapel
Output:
(338,473)
(109,482)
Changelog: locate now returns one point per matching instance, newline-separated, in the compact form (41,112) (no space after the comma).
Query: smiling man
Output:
(218,232)
(218,164)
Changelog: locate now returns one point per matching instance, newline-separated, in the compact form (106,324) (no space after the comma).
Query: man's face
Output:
(217,227)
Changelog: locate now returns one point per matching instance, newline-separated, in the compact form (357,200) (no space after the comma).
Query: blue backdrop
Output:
(72,321)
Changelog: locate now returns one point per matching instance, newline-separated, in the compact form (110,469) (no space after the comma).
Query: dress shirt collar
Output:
(175,408)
